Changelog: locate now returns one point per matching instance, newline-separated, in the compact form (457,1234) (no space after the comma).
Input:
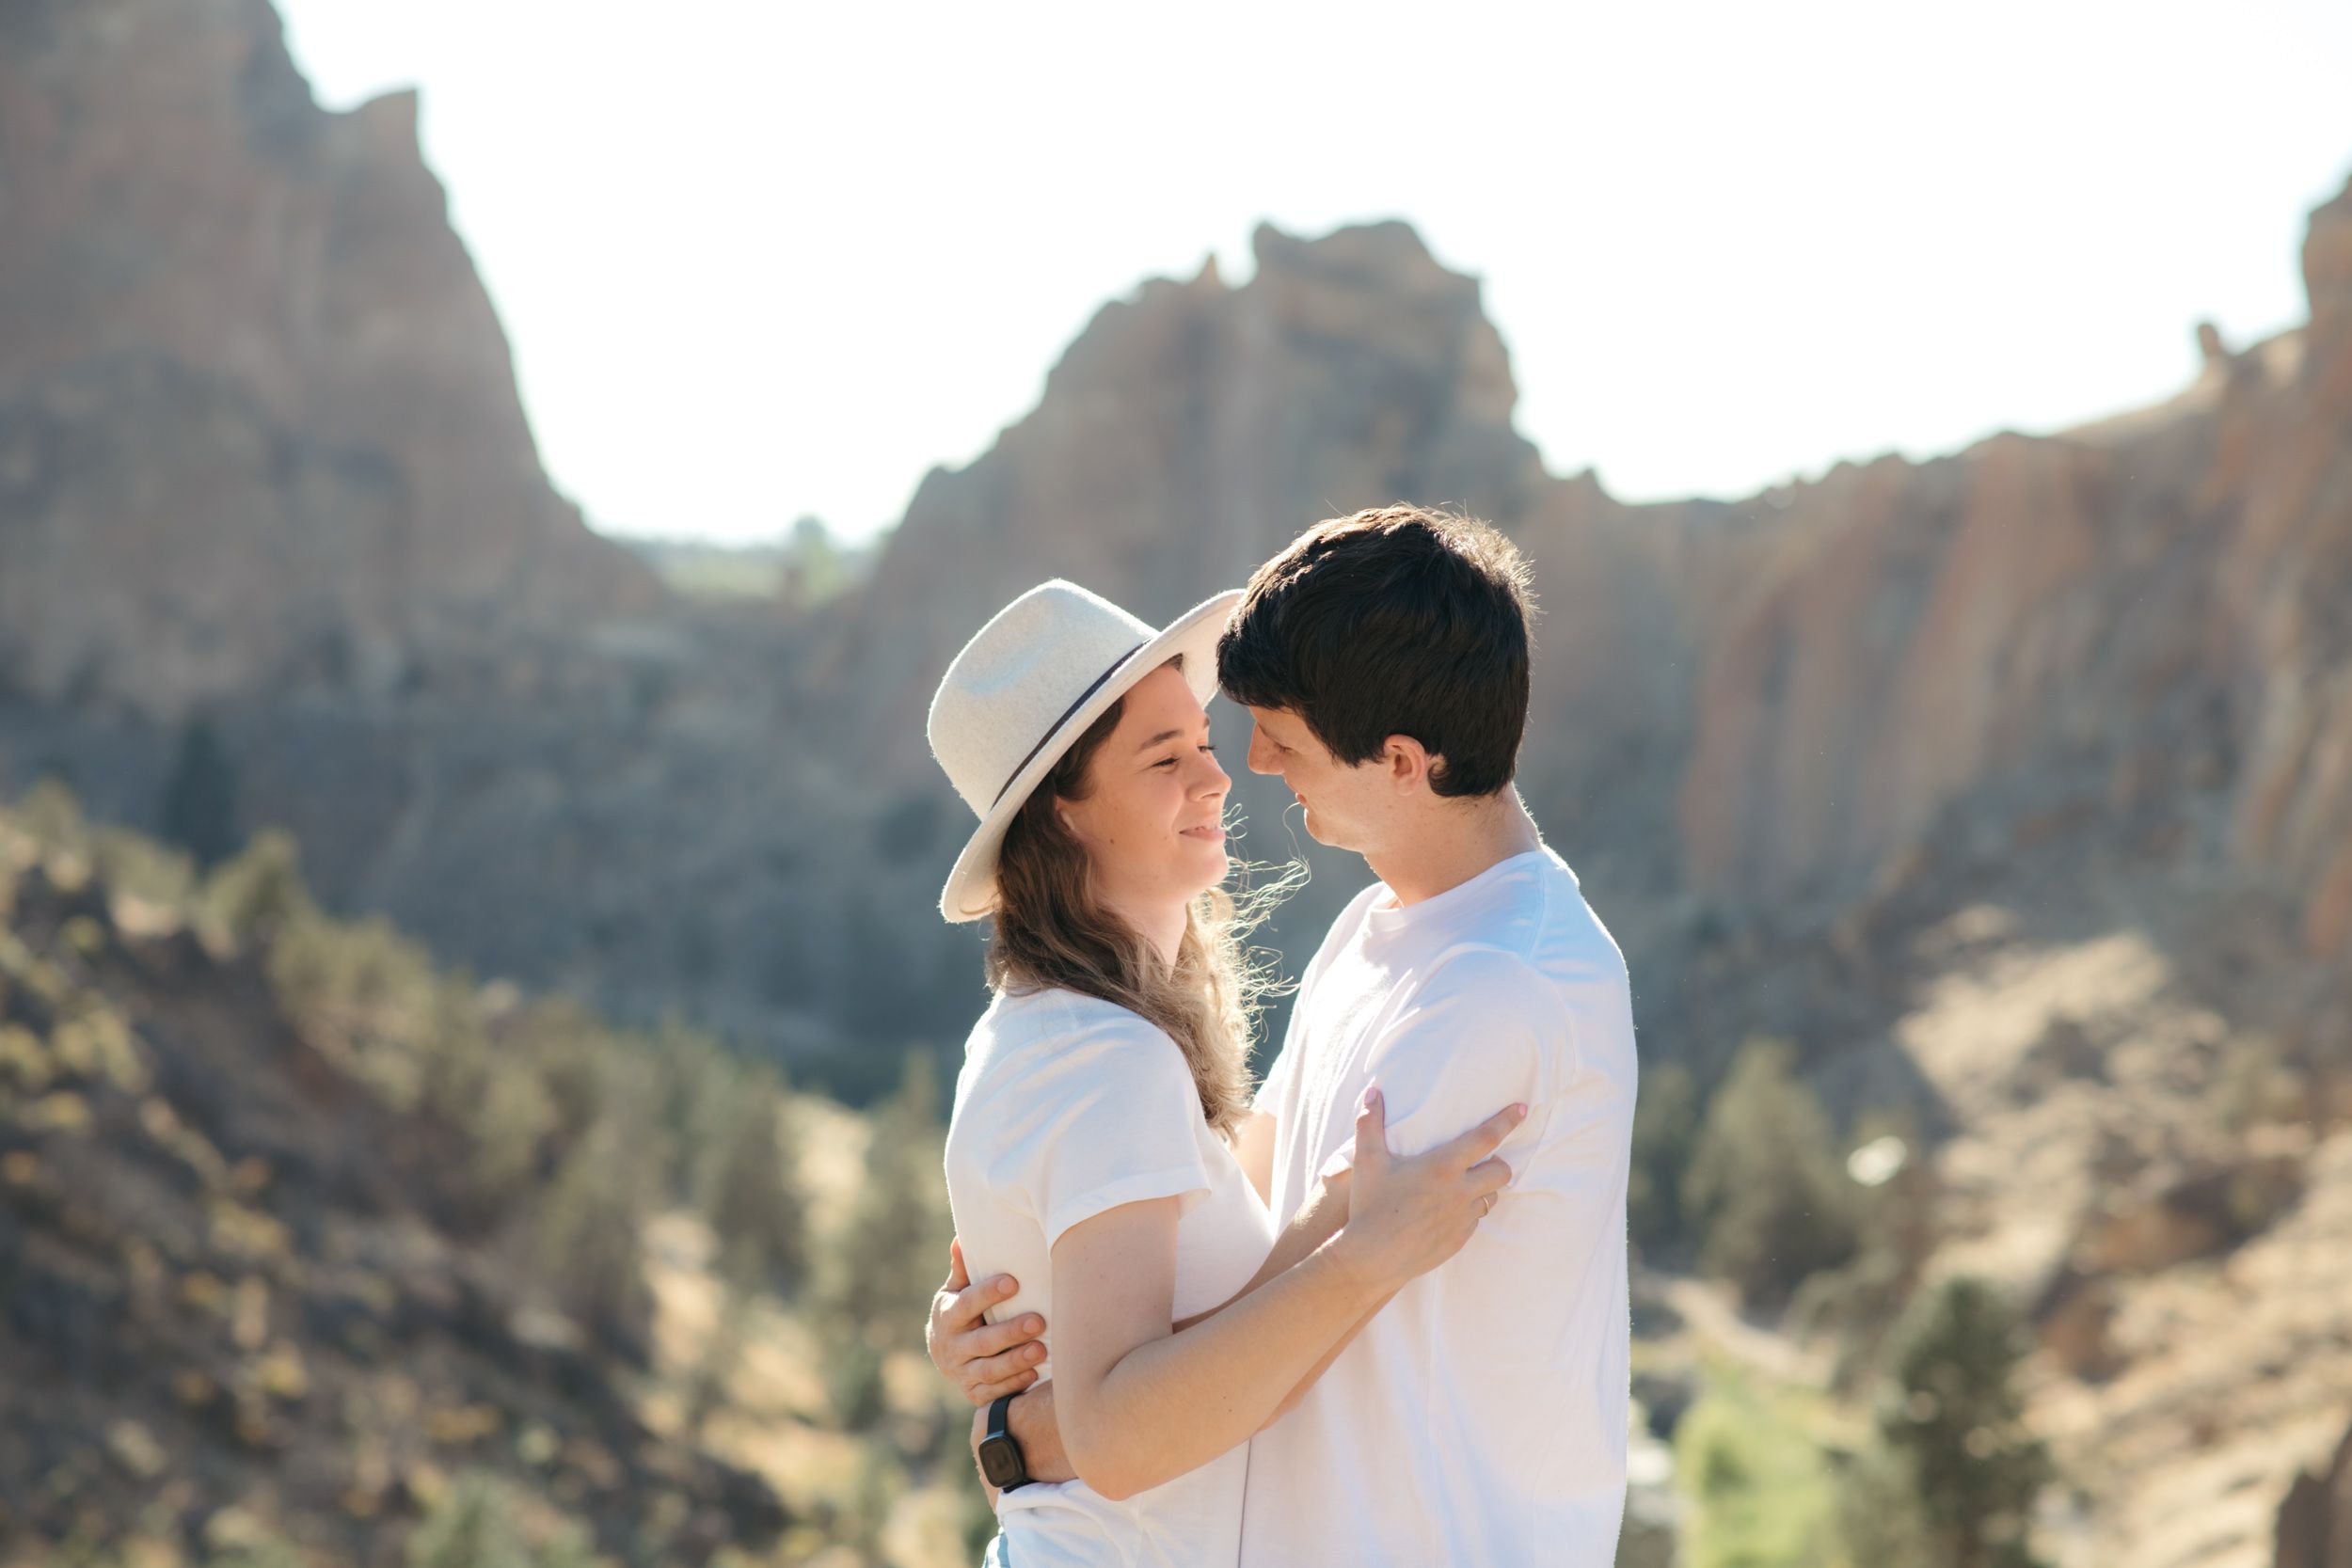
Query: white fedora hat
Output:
(1026,685)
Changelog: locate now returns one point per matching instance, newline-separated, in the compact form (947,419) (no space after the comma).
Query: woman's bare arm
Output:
(1140,1403)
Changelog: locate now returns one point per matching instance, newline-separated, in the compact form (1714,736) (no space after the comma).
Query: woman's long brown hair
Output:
(1052,931)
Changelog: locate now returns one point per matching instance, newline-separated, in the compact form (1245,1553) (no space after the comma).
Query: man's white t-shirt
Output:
(1067,1106)
(1480,1417)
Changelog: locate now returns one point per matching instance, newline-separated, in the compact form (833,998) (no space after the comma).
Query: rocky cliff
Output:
(258,424)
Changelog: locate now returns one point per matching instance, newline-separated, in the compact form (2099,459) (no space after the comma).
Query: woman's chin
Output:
(1209,863)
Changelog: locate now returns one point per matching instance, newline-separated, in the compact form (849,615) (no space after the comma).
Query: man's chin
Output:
(1319,832)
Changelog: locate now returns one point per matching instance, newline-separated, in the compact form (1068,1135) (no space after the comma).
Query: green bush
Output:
(1757,1479)
(1766,1194)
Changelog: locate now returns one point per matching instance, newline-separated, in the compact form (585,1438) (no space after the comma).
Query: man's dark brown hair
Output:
(1395,620)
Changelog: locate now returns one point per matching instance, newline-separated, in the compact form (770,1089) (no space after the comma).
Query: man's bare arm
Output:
(1253,1149)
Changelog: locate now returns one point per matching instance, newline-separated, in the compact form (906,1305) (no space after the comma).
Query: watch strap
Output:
(1000,1439)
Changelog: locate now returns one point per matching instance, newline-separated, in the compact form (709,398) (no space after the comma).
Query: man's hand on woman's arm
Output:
(983,1359)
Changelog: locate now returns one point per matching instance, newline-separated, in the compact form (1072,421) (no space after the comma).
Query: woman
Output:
(1089,1154)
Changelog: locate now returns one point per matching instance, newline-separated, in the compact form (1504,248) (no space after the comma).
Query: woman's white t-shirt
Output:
(1067,1106)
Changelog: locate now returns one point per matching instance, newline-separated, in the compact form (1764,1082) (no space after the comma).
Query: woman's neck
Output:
(1156,921)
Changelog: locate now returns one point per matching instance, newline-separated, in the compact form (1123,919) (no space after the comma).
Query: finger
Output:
(974,1300)
(1488,1176)
(997,1369)
(992,1339)
(1485,1138)
(958,1276)
(989,1393)
(1371,1128)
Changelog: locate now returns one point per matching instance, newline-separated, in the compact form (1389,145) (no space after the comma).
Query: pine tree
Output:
(591,1236)
(744,1180)
(899,1227)
(1957,1425)
(1665,1129)
(1766,1193)
(200,799)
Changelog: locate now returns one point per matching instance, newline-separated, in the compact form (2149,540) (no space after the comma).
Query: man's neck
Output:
(1455,842)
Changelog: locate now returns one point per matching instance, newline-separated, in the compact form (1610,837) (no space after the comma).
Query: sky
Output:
(761,261)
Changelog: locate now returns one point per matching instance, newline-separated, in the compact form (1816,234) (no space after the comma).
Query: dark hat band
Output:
(1055,728)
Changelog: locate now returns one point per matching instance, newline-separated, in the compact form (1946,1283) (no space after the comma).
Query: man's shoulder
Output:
(1494,981)
(1548,921)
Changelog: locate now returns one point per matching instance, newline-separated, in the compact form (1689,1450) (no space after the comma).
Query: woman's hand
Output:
(983,1359)
(1408,1216)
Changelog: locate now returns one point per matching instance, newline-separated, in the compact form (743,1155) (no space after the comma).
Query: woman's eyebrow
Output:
(1161,738)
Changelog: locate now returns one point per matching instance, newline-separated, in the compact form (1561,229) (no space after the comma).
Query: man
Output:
(1479,1417)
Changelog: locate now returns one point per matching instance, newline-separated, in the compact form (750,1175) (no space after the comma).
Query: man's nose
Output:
(1260,755)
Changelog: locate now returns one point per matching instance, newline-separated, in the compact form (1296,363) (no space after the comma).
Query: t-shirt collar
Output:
(1385,915)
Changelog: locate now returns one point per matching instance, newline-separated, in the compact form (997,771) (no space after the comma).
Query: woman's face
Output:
(1152,821)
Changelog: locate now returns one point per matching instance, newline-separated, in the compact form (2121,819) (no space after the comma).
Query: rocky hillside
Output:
(310,1255)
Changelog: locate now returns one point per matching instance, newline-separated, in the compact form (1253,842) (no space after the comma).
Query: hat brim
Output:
(971,891)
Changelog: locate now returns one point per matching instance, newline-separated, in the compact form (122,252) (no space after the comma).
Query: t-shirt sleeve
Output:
(1112,1116)
(1485,1031)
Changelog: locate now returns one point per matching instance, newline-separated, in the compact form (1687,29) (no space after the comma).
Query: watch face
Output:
(997,1461)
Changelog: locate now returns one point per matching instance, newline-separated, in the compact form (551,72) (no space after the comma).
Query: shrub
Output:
(257,894)
(481,1522)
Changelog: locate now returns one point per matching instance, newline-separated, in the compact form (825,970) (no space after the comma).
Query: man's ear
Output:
(1407,761)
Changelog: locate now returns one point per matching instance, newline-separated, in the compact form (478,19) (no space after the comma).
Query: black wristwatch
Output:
(1001,1456)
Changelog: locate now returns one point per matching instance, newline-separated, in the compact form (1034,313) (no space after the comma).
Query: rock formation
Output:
(257,423)
(2315,1520)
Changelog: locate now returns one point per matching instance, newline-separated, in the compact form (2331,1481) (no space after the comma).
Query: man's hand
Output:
(1407,1215)
(981,1358)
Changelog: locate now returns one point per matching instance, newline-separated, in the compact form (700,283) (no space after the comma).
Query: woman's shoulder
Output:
(1054,1017)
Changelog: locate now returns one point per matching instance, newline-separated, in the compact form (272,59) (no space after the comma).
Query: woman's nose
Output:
(1213,779)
